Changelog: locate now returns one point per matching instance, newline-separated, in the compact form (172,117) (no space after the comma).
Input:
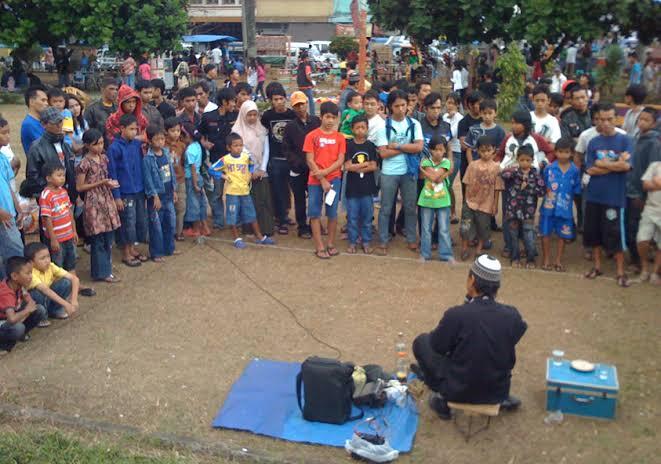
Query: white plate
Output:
(582,365)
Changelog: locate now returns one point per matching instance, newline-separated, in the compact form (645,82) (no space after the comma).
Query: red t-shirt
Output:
(327,149)
(10,299)
(55,203)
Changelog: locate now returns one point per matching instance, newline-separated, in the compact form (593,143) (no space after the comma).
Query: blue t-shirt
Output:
(31,130)
(560,190)
(496,133)
(6,175)
(193,158)
(163,164)
(609,189)
(636,74)
(396,165)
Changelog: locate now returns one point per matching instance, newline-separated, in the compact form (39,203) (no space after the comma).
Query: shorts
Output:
(604,226)
(563,228)
(196,203)
(648,230)
(239,209)
(66,257)
(316,200)
(475,224)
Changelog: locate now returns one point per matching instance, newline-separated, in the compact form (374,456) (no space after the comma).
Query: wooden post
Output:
(248,29)
(362,51)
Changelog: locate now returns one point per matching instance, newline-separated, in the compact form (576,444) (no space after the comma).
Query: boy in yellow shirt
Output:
(51,286)
(237,168)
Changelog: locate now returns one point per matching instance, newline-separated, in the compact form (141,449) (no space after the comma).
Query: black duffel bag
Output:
(327,390)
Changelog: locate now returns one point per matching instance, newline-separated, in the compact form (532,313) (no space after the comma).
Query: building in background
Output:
(215,17)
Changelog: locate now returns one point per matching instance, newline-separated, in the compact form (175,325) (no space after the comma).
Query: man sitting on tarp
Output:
(469,357)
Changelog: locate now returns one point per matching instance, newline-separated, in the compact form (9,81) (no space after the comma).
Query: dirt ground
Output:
(161,349)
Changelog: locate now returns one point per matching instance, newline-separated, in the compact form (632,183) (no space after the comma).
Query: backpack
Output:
(328,390)
(412,161)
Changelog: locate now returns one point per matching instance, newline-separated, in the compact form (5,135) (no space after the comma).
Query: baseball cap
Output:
(298,97)
(51,115)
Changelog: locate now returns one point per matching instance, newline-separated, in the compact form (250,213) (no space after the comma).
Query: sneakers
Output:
(266,240)
(239,243)
(512,403)
(438,404)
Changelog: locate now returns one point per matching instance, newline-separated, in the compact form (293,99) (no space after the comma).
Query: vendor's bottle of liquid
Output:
(402,367)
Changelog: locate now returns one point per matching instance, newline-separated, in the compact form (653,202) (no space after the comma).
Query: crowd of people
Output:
(137,168)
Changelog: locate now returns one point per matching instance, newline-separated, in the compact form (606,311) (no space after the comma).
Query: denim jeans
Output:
(62,287)
(101,255)
(162,225)
(440,216)
(407,186)
(299,186)
(65,257)
(526,229)
(134,219)
(279,178)
(129,80)
(310,94)
(216,200)
(10,244)
(12,333)
(360,211)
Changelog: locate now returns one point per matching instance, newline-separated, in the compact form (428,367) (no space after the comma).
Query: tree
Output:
(342,46)
(512,68)
(610,73)
(124,25)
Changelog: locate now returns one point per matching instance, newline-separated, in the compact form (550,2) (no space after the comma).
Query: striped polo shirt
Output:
(55,203)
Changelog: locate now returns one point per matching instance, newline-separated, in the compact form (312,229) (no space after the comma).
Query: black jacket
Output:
(478,339)
(42,152)
(292,142)
(572,123)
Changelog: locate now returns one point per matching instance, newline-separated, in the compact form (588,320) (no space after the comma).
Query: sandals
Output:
(321,254)
(412,247)
(111,279)
(179,238)
(89,292)
(531,266)
(142,258)
(623,281)
(593,273)
(515,264)
(44,323)
(381,251)
(332,251)
(547,267)
(368,250)
(283,229)
(133,262)
(559,268)
(351,249)
(158,259)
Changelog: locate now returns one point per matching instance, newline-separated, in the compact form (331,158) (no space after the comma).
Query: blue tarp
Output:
(203,38)
(263,401)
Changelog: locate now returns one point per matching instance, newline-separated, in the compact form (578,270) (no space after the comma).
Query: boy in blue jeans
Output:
(237,169)
(51,286)
(19,314)
(160,190)
(125,166)
(360,164)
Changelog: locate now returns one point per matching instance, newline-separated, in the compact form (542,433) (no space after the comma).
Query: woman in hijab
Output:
(255,141)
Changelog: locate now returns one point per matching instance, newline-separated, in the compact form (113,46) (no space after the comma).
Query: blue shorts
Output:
(316,200)
(239,209)
(562,227)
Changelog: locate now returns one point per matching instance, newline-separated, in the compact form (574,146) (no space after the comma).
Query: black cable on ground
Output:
(277,300)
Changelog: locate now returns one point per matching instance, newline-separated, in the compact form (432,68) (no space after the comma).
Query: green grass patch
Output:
(57,448)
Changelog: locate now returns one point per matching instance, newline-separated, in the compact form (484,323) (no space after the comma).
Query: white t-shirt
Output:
(548,126)
(464,77)
(216,55)
(653,202)
(586,136)
(454,144)
(556,83)
(396,165)
(457,82)
(571,55)
(375,123)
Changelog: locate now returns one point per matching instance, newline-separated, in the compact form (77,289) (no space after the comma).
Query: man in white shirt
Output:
(217,57)
(543,123)
(557,80)
(572,50)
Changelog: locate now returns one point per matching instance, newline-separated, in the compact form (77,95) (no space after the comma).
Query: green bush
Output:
(608,75)
(342,46)
(512,67)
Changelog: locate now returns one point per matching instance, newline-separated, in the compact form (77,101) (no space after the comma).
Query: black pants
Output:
(432,364)
(299,186)
(632,219)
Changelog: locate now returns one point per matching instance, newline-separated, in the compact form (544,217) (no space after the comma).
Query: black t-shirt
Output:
(462,131)
(216,127)
(275,123)
(358,186)
(489,89)
(166,110)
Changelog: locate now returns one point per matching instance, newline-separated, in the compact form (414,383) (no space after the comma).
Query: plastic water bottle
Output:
(554,418)
(402,367)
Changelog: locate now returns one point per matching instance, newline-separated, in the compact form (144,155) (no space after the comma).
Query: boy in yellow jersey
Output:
(236,168)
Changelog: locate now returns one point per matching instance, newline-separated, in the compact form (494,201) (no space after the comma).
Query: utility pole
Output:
(248,29)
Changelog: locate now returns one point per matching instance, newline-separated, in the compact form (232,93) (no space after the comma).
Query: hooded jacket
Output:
(112,123)
(647,151)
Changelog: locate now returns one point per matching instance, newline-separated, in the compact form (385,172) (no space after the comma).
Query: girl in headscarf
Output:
(256,142)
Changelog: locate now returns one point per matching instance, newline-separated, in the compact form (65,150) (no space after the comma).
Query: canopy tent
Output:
(203,38)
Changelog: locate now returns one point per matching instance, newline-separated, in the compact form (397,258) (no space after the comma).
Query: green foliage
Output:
(608,75)
(512,68)
(135,25)
(342,46)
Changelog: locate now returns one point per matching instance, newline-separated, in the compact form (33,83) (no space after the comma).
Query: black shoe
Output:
(438,404)
(512,403)
(417,371)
